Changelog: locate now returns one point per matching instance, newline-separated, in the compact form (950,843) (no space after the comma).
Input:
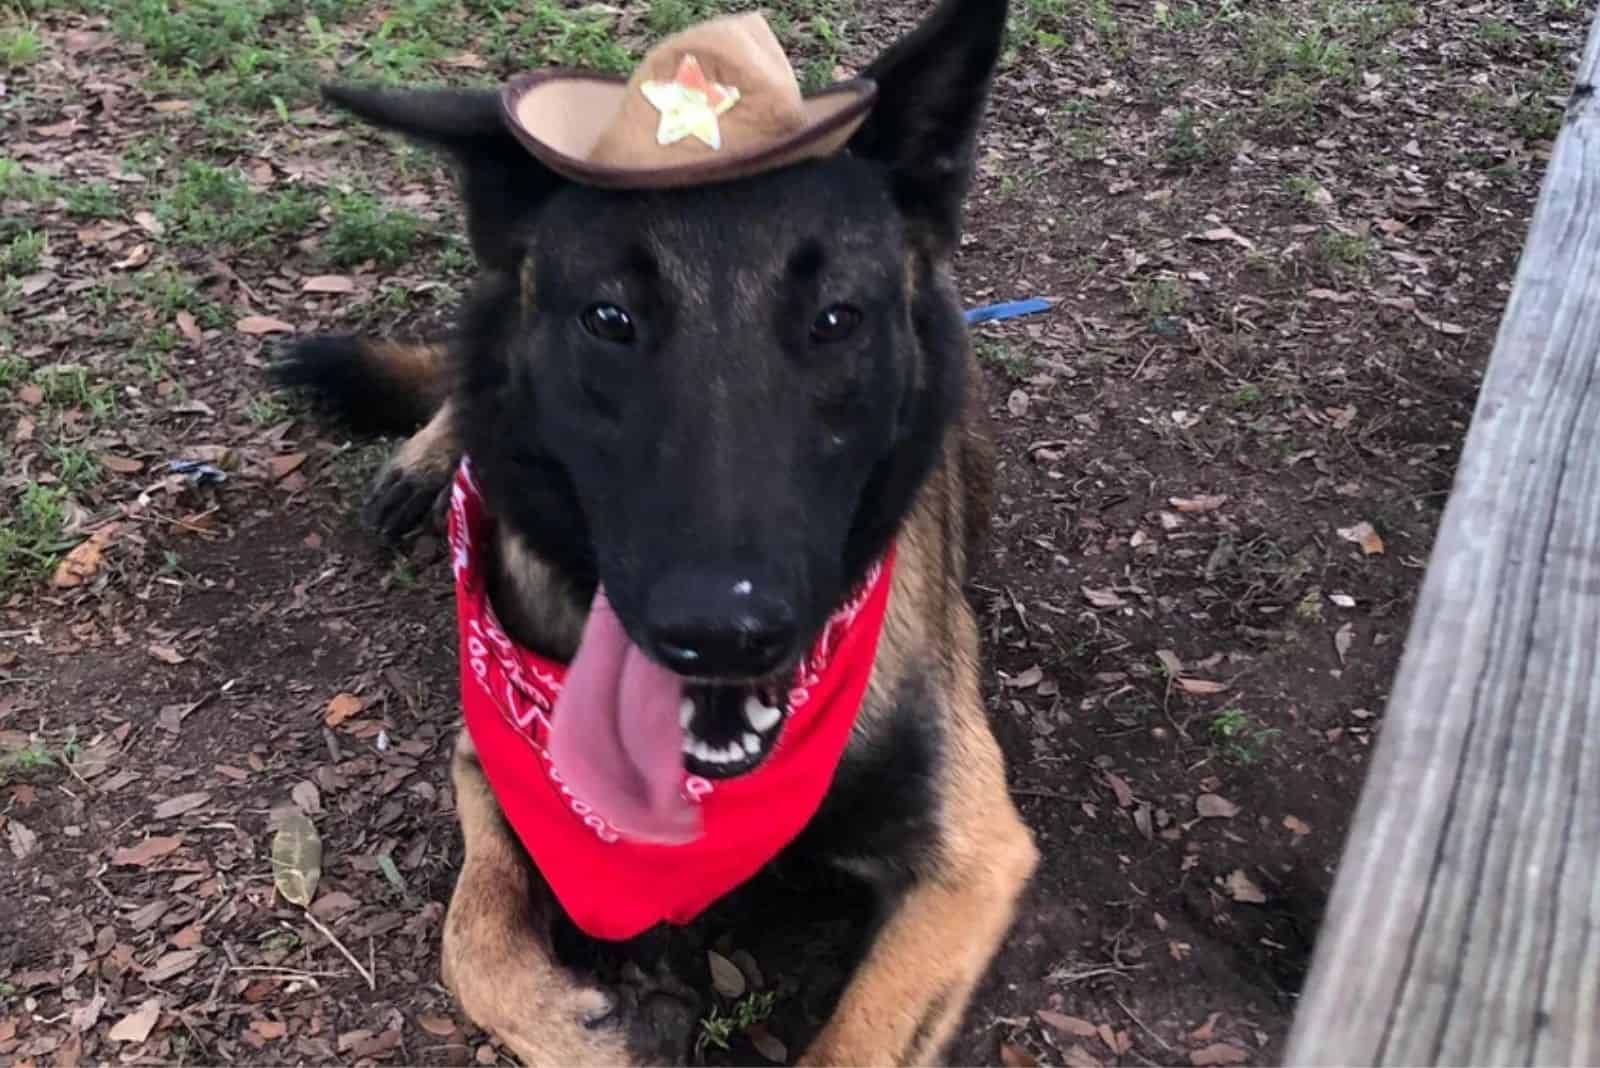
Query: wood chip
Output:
(1242,888)
(1364,535)
(146,852)
(177,806)
(1217,1053)
(257,325)
(342,707)
(137,1025)
(1120,787)
(726,977)
(1215,806)
(1068,1025)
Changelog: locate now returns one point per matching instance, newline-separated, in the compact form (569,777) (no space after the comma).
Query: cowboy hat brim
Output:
(559,116)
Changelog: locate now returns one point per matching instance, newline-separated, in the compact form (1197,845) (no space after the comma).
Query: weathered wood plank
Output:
(1464,926)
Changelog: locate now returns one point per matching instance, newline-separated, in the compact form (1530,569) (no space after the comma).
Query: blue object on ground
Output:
(1011,309)
(198,471)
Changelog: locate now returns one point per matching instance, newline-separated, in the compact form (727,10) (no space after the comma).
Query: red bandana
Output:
(613,887)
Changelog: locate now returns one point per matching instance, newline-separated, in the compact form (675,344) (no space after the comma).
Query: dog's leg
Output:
(911,990)
(497,959)
(414,481)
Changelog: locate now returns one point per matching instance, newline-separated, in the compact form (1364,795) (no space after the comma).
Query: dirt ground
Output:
(1278,236)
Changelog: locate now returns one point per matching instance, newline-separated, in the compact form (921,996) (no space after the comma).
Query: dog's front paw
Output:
(402,496)
(657,1015)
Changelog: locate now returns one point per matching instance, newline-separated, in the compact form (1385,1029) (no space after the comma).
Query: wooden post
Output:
(1464,926)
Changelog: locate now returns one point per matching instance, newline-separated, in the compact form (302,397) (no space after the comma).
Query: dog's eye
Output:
(608,323)
(835,323)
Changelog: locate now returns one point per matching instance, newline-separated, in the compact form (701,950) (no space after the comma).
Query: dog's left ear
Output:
(932,86)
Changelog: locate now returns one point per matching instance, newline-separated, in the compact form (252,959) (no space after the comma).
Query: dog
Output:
(722,404)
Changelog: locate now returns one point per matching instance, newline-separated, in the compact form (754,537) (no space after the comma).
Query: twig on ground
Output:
(329,935)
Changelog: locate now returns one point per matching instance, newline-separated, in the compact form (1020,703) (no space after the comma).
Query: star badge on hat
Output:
(689,104)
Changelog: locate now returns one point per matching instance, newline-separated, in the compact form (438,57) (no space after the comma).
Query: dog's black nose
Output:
(719,625)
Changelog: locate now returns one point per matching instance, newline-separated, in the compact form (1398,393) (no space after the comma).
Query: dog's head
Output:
(720,402)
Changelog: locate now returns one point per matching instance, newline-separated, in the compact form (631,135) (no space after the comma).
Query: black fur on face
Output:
(721,402)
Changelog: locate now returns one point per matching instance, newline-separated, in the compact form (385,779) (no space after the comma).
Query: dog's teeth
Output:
(733,754)
(752,744)
(688,745)
(704,752)
(762,717)
(686,713)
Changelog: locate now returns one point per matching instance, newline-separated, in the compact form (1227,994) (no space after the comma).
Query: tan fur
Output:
(431,453)
(414,367)
(496,958)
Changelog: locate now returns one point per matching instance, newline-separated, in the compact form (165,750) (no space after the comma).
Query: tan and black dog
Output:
(770,376)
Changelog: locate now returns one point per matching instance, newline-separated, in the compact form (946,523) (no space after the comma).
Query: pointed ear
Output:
(502,185)
(932,86)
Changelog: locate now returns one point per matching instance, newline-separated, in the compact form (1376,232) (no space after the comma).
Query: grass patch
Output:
(20,45)
(1193,141)
(23,253)
(19,182)
(365,228)
(91,200)
(1239,738)
(210,205)
(1159,298)
(31,535)
(718,1028)
(25,764)
(1010,360)
(1344,253)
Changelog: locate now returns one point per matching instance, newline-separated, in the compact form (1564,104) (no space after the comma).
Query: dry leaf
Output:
(1224,233)
(1242,888)
(1342,640)
(269,1030)
(31,395)
(1363,535)
(440,1026)
(1343,600)
(341,708)
(22,840)
(262,324)
(296,858)
(122,465)
(1077,1056)
(1206,502)
(1014,1056)
(1017,403)
(1103,598)
(1297,826)
(306,797)
(189,328)
(1027,679)
(329,283)
(172,964)
(1170,662)
(147,851)
(726,977)
(83,562)
(1218,1053)
(177,806)
(1215,806)
(85,1016)
(285,465)
(466,61)
(137,1025)
(166,654)
(1201,687)
(767,1044)
(1067,1025)
(332,904)
(1208,1030)
(1120,787)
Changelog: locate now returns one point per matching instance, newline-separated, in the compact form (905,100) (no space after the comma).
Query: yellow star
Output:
(689,104)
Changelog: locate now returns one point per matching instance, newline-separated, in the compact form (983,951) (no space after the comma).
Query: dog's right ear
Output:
(502,185)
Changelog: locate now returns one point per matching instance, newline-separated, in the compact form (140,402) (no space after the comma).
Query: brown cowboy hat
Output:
(716,101)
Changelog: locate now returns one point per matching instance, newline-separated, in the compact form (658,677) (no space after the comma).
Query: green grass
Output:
(208,206)
(1239,738)
(1159,298)
(718,1028)
(24,764)
(20,45)
(1345,253)
(1011,360)
(23,253)
(31,533)
(19,182)
(91,200)
(1195,141)
(69,387)
(76,466)
(364,228)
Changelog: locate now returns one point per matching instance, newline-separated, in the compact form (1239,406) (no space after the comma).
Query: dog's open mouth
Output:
(729,730)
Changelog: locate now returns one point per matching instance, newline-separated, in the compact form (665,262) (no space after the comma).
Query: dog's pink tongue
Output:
(616,739)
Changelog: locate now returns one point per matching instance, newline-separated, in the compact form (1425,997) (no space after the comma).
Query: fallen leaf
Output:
(146,852)
(1014,1056)
(1242,888)
(726,977)
(333,904)
(257,325)
(169,965)
(1068,1025)
(329,283)
(83,562)
(1208,1030)
(1297,826)
(189,328)
(285,465)
(466,61)
(122,465)
(441,1026)
(1343,600)
(767,1044)
(306,797)
(1077,1056)
(1343,638)
(137,1025)
(1217,1053)
(166,654)
(1170,662)
(1201,687)
(1364,535)
(177,806)
(1027,679)
(31,395)
(1224,233)
(1331,296)
(296,858)
(85,1016)
(1215,806)
(1017,403)
(1120,787)
(1206,502)
(22,840)
(171,107)
(269,1030)
(1103,598)
(341,708)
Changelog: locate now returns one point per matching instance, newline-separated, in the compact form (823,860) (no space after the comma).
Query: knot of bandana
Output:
(614,887)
